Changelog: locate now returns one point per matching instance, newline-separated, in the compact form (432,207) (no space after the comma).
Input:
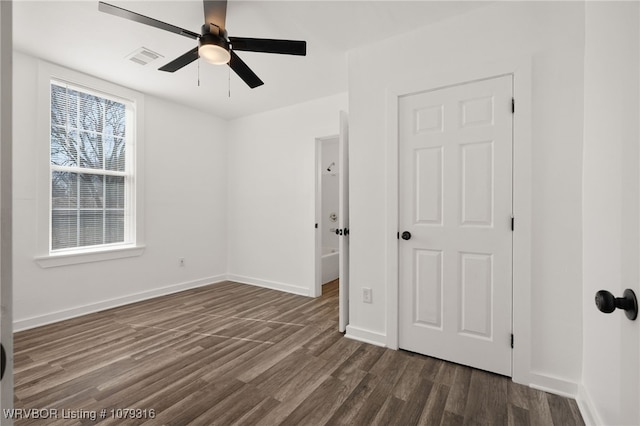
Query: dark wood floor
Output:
(236,354)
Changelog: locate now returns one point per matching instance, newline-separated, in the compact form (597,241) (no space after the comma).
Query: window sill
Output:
(55,260)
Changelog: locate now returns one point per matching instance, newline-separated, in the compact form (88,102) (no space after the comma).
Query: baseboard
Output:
(587,408)
(40,320)
(366,336)
(274,285)
(568,389)
(552,384)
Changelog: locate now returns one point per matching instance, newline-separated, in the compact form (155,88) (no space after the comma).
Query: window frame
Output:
(134,241)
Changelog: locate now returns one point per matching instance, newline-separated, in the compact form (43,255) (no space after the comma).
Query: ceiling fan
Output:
(214,45)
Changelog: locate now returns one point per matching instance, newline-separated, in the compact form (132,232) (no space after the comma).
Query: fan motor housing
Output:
(213,39)
(214,30)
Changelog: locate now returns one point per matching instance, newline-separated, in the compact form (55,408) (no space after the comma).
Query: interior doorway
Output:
(327,211)
(332,216)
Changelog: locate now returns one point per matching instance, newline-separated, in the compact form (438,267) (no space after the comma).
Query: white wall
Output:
(266,164)
(551,36)
(184,204)
(271,199)
(611,214)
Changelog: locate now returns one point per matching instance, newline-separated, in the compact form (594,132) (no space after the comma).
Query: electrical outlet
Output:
(181,260)
(367,295)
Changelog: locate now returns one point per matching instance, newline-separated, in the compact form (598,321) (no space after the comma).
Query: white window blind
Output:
(91,174)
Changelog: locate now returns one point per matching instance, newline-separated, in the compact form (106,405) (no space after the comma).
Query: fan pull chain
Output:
(198,72)
(229,81)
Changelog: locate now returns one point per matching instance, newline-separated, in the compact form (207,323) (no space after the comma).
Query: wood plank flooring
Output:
(236,354)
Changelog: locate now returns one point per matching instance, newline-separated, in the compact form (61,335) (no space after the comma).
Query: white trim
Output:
(522,212)
(587,407)
(98,172)
(552,384)
(317,286)
(86,256)
(6,203)
(40,320)
(521,71)
(393,219)
(366,336)
(46,73)
(274,285)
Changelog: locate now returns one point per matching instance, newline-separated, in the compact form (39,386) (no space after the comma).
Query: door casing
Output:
(6,143)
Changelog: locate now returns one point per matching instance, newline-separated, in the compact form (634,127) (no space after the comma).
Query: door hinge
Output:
(511,340)
(513,223)
(513,105)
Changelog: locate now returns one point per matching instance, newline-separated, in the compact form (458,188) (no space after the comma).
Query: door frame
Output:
(520,69)
(6,143)
(317,288)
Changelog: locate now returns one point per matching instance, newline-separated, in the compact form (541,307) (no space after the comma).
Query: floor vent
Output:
(143,56)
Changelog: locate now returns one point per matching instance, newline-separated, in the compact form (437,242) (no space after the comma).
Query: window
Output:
(89,169)
(91,187)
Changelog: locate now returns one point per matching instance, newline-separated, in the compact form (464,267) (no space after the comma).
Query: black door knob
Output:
(406,235)
(607,303)
(3,361)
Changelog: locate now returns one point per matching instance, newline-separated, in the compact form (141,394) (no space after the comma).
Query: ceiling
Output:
(76,35)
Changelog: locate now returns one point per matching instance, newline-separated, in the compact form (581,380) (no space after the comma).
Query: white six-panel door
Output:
(455,200)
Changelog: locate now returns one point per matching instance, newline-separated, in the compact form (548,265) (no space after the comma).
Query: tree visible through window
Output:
(90,183)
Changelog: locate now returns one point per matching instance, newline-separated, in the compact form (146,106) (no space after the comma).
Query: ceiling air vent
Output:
(143,56)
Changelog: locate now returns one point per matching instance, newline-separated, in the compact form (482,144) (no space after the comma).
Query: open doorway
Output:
(327,211)
(332,216)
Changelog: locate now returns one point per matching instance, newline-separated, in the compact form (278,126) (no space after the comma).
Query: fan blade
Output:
(132,16)
(244,72)
(215,12)
(267,45)
(181,61)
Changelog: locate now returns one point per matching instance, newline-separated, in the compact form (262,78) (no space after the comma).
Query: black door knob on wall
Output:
(607,303)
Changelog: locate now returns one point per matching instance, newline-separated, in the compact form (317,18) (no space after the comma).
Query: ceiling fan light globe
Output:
(214,54)
(214,49)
